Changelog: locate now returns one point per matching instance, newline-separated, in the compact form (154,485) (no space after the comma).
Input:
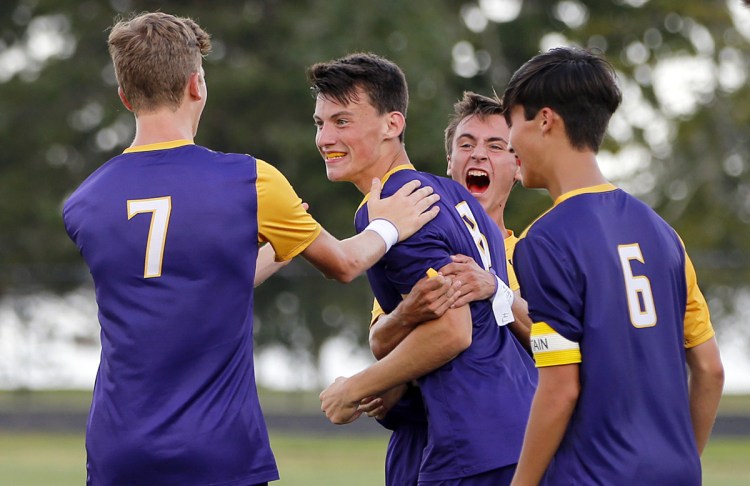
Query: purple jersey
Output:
(170,233)
(603,272)
(477,405)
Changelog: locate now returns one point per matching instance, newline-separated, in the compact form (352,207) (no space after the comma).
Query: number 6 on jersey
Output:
(160,209)
(638,288)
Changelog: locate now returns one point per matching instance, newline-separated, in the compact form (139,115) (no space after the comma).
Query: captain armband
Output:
(551,348)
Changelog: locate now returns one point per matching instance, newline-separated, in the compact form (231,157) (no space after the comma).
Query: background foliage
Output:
(679,142)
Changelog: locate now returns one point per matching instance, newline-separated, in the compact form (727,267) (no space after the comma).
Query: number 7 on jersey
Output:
(160,209)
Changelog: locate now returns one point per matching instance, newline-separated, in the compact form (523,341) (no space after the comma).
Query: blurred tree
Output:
(679,141)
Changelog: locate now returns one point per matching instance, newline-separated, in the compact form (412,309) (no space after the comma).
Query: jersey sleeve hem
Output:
(299,248)
(700,339)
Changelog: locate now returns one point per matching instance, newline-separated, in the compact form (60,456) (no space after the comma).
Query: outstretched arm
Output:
(407,210)
(706,383)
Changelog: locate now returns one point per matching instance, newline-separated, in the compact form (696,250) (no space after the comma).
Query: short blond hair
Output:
(154,55)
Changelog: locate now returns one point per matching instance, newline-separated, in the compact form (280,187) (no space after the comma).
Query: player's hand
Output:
(378,406)
(429,299)
(409,208)
(477,283)
(334,403)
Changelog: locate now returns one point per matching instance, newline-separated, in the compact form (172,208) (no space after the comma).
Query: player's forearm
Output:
(386,334)
(266,264)
(359,253)
(706,382)
(427,348)
(346,259)
(704,403)
(553,405)
(389,330)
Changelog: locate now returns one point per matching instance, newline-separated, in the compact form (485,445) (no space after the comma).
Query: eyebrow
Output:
(336,115)
(491,139)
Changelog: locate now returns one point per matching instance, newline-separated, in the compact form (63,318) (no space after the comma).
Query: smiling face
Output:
(481,161)
(351,138)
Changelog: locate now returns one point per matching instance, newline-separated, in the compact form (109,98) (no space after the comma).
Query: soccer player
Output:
(618,315)
(170,232)
(472,372)
(476,144)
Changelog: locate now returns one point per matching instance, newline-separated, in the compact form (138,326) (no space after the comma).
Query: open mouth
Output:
(477,181)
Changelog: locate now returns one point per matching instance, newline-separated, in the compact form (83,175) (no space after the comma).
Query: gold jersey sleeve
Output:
(510,247)
(282,221)
(376,312)
(698,328)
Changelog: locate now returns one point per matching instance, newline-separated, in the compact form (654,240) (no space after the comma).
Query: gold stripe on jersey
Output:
(510,247)
(698,328)
(606,187)
(157,146)
(282,221)
(376,312)
(552,349)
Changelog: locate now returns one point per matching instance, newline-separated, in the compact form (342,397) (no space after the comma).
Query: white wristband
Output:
(386,230)
(502,302)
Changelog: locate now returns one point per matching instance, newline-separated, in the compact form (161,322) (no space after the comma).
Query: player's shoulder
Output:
(401,176)
(441,185)
(101,173)
(232,157)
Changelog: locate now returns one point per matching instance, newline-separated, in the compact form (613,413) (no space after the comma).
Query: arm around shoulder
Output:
(344,260)
(407,211)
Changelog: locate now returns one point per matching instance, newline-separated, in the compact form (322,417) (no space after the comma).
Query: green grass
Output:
(42,459)
(59,460)
(725,462)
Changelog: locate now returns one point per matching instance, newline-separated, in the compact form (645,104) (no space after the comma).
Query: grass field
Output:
(58,460)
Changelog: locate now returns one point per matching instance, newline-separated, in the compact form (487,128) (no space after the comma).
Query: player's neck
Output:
(382,167)
(162,126)
(497,215)
(576,170)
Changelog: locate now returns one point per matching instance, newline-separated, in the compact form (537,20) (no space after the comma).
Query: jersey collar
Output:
(157,146)
(585,190)
(385,178)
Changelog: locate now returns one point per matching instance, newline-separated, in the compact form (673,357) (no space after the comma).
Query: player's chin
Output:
(482,194)
(334,175)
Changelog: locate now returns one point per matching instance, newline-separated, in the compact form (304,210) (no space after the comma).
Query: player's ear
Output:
(546,118)
(395,124)
(517,172)
(194,86)
(448,158)
(124,99)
